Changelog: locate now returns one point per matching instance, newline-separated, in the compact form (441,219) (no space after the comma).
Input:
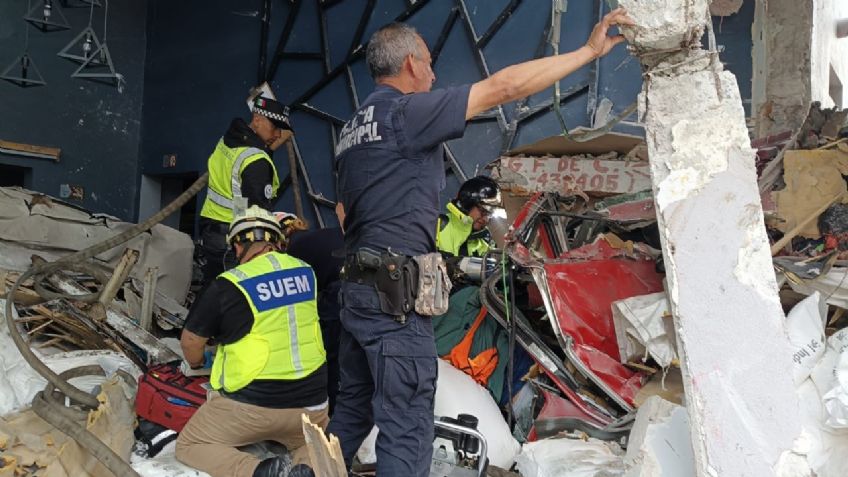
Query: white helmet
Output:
(254,224)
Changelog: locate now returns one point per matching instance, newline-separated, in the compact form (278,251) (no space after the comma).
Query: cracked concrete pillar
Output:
(782,89)
(734,354)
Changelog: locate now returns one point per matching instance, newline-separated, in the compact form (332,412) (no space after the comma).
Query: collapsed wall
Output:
(730,325)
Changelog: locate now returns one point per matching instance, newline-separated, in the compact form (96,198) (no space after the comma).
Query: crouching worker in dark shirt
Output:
(270,366)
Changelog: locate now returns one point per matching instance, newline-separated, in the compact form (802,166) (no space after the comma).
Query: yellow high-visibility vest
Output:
(225,167)
(453,233)
(285,341)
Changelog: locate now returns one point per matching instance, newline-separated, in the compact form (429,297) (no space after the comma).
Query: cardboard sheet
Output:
(812,179)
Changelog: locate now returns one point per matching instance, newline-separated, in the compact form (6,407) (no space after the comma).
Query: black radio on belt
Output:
(395,277)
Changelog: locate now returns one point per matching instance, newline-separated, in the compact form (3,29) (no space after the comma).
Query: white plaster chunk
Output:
(660,444)
(664,24)
(566,457)
(751,259)
(643,327)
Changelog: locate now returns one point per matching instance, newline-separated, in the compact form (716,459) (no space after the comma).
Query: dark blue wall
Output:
(96,126)
(191,63)
(203,58)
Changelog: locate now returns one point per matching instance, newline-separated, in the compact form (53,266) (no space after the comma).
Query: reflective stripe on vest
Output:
(290,311)
(278,288)
(225,167)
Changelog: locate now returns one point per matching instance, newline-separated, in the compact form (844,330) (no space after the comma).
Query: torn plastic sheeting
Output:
(805,328)
(836,400)
(833,286)
(20,382)
(367,453)
(826,448)
(822,374)
(660,444)
(565,457)
(643,326)
(457,393)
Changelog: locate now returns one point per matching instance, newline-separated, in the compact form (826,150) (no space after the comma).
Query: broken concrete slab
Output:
(660,444)
(665,24)
(570,174)
(35,223)
(721,284)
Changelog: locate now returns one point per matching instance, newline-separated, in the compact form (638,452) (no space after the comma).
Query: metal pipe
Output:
(265,19)
(484,446)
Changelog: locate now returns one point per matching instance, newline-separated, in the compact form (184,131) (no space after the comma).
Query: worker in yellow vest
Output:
(463,232)
(240,166)
(270,366)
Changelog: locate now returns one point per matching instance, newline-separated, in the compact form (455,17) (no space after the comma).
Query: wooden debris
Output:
(30,150)
(145,319)
(122,271)
(326,456)
(122,328)
(797,229)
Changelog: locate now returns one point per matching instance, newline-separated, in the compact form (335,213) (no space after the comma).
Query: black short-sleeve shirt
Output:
(222,313)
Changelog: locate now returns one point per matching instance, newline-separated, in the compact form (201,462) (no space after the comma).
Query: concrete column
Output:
(735,357)
(829,59)
(783,37)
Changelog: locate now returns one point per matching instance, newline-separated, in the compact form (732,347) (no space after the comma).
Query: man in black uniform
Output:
(391,169)
(323,250)
(240,166)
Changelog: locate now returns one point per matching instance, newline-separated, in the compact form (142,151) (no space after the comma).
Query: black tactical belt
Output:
(395,277)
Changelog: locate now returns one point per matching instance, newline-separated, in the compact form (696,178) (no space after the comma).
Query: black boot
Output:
(274,467)
(301,470)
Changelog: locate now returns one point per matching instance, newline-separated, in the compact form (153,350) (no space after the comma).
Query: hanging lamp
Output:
(99,66)
(22,71)
(47,16)
(83,46)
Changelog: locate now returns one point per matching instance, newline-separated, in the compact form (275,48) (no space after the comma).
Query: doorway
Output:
(11,176)
(158,191)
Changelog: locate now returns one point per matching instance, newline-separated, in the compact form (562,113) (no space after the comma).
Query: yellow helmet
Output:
(254,224)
